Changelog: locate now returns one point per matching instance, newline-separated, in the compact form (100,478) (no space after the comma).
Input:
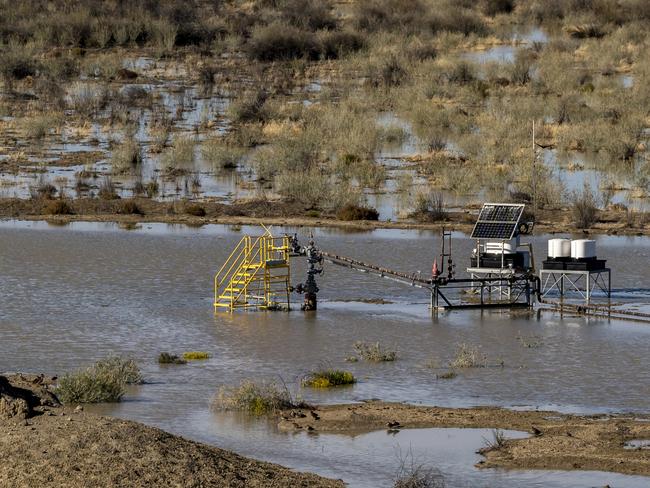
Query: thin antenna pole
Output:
(534,175)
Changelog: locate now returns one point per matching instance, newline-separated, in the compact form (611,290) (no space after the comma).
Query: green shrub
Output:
(353,212)
(255,398)
(102,382)
(326,378)
(126,369)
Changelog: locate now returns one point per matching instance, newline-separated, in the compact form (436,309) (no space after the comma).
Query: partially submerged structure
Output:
(501,271)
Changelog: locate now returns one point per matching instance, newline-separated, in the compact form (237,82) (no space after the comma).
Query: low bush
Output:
(195,209)
(280,42)
(103,382)
(255,398)
(220,155)
(126,369)
(354,212)
(44,189)
(583,208)
(168,358)
(129,207)
(326,378)
(152,188)
(126,157)
(250,107)
(429,206)
(58,207)
(181,155)
(337,44)
(107,189)
(374,352)
(390,73)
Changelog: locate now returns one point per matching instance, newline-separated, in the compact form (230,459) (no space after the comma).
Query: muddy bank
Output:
(254,212)
(557,441)
(43,444)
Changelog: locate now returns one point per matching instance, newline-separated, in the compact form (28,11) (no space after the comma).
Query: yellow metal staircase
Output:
(257,274)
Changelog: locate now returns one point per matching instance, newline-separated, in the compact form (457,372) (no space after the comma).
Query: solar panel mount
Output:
(498,221)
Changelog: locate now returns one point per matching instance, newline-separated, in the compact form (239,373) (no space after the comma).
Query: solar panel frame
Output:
(498,221)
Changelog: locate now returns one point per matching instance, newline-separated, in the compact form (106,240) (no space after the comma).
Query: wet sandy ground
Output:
(557,441)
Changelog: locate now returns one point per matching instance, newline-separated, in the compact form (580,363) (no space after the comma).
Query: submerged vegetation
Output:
(257,398)
(468,356)
(168,358)
(374,352)
(105,381)
(325,378)
(196,355)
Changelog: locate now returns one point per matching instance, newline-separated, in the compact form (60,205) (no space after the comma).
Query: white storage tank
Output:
(583,248)
(559,248)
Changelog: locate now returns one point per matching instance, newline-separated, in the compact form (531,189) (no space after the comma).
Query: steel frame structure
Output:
(584,282)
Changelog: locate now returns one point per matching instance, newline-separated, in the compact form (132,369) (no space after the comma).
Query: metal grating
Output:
(498,221)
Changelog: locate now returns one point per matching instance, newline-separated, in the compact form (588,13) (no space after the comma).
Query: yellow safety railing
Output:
(252,261)
(235,258)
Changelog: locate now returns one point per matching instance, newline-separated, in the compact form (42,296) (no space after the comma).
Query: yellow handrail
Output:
(257,246)
(235,258)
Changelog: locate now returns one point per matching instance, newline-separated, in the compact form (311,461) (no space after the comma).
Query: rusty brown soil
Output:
(44,444)
(557,441)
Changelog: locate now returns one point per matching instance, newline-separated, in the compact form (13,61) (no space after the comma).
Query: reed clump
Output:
(256,398)
(374,352)
(58,207)
(468,356)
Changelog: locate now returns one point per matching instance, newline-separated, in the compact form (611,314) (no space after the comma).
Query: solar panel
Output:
(497,221)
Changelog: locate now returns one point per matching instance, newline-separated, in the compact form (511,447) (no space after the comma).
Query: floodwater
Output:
(71,295)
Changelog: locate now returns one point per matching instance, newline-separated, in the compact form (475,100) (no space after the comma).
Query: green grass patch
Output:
(327,378)
(194,355)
